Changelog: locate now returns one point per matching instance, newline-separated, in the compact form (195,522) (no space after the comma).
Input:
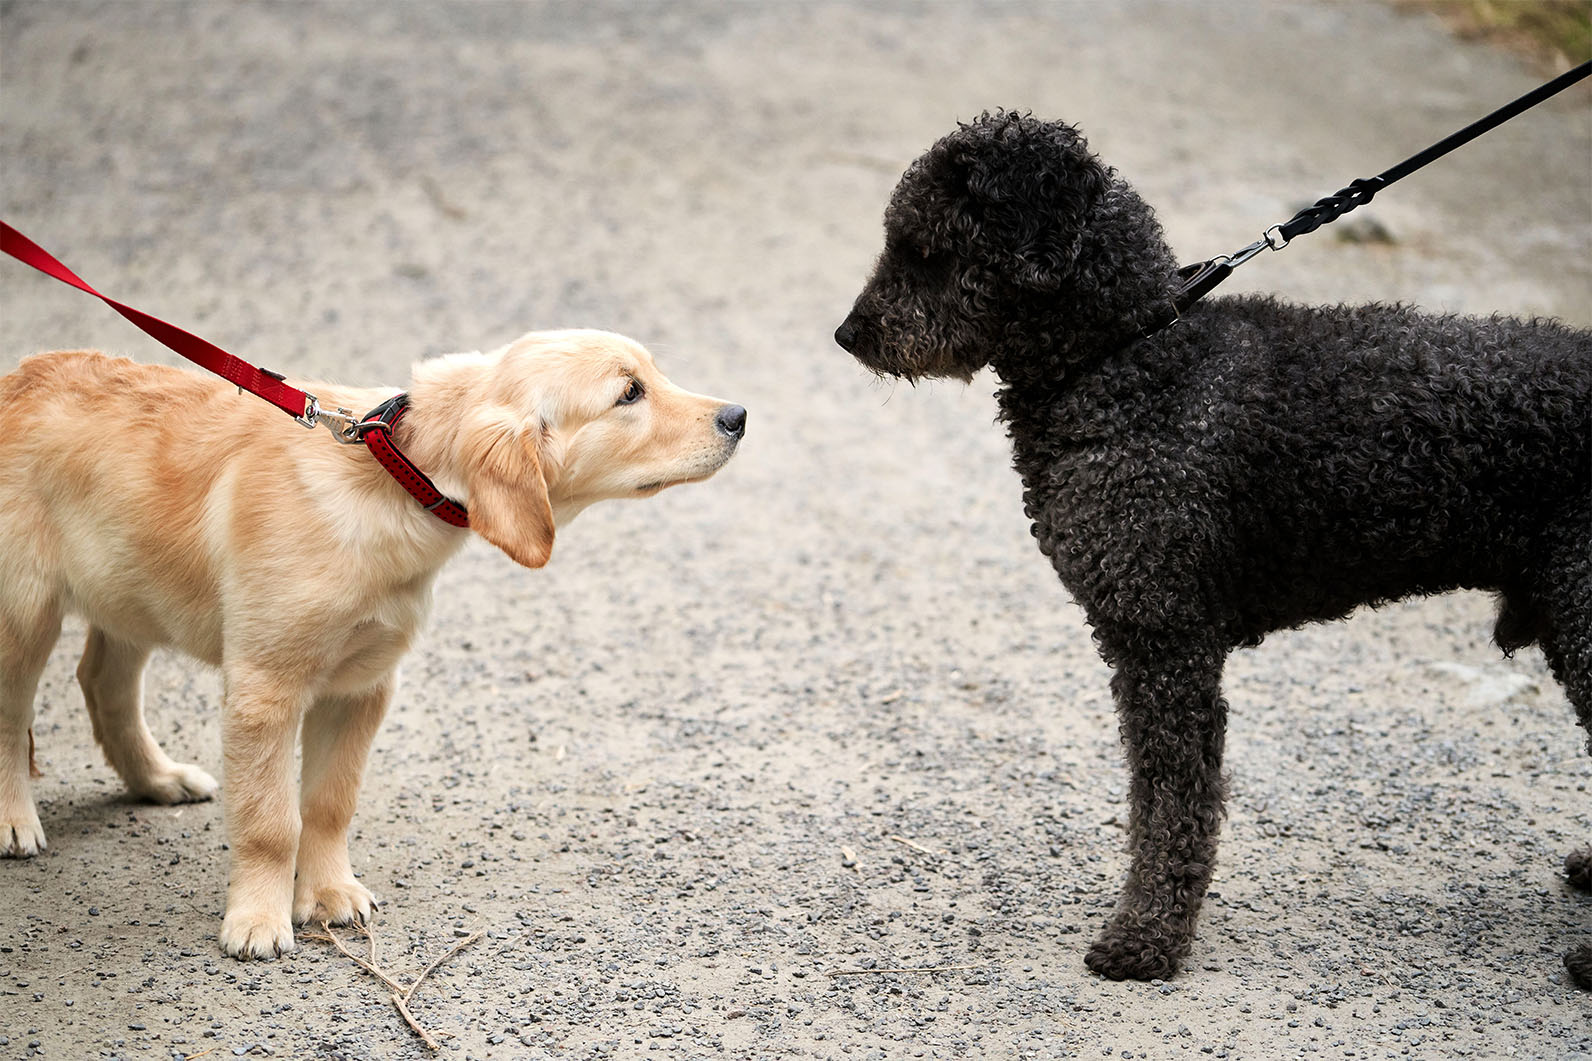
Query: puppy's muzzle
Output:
(731,421)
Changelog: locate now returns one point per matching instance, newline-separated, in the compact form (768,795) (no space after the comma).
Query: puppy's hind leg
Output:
(111,674)
(25,643)
(1173,722)
(338,731)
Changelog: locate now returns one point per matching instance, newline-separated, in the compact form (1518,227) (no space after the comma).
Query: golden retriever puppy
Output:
(167,508)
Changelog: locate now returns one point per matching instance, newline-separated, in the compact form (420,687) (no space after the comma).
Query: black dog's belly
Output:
(1180,549)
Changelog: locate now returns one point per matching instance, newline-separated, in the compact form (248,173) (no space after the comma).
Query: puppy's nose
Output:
(731,420)
(846,334)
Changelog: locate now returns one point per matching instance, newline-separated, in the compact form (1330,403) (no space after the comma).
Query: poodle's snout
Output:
(731,421)
(846,334)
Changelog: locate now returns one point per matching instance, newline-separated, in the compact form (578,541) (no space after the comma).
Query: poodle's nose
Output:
(731,420)
(846,334)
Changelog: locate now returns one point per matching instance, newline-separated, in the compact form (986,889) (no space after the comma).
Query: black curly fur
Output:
(1254,467)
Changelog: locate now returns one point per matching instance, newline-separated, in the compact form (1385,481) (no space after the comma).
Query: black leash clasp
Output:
(1325,210)
(1198,280)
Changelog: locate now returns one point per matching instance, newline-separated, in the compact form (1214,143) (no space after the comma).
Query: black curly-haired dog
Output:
(1254,467)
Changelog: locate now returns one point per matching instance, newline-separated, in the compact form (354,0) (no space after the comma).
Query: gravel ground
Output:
(830,713)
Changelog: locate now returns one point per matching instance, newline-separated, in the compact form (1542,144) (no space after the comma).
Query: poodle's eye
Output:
(632,393)
(906,247)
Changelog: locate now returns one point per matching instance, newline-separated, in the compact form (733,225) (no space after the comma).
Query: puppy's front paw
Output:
(345,902)
(1135,952)
(180,784)
(248,934)
(21,835)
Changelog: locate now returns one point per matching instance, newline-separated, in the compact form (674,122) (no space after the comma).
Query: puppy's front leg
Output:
(1174,723)
(259,721)
(337,734)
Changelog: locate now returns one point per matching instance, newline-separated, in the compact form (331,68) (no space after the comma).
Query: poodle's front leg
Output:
(1173,721)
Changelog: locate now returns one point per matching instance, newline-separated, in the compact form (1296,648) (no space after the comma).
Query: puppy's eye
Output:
(632,393)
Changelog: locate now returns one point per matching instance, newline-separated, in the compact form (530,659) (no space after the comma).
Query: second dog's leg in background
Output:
(1565,590)
(338,731)
(111,675)
(25,644)
(1173,721)
(260,719)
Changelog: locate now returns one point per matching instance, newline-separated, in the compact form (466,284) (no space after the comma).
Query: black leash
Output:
(1198,280)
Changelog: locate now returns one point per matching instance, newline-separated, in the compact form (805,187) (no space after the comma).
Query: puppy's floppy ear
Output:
(502,466)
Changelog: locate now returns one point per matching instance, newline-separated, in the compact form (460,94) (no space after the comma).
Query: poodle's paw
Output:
(341,902)
(179,783)
(1127,951)
(249,934)
(1579,964)
(1578,868)
(21,835)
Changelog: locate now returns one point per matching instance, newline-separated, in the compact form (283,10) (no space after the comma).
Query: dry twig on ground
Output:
(401,995)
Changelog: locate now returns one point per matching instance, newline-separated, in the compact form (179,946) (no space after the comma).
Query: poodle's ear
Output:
(502,466)
(1042,191)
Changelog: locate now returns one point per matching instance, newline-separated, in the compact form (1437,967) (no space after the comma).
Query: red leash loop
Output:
(374,429)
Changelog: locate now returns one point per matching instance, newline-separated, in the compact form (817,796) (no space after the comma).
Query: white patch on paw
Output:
(260,936)
(340,903)
(21,835)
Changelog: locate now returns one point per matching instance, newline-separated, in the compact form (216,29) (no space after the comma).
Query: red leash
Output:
(374,429)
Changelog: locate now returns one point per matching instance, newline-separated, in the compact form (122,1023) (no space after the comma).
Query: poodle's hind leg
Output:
(1578,868)
(111,675)
(1173,721)
(1566,593)
(1567,642)
(26,637)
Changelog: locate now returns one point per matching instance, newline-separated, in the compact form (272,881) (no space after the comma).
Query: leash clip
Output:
(339,421)
(1239,257)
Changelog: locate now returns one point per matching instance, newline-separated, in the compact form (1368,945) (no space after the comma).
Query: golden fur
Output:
(168,509)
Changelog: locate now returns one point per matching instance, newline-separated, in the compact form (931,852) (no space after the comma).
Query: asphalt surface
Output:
(741,749)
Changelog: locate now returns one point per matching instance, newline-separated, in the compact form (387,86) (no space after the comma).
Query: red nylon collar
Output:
(374,428)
